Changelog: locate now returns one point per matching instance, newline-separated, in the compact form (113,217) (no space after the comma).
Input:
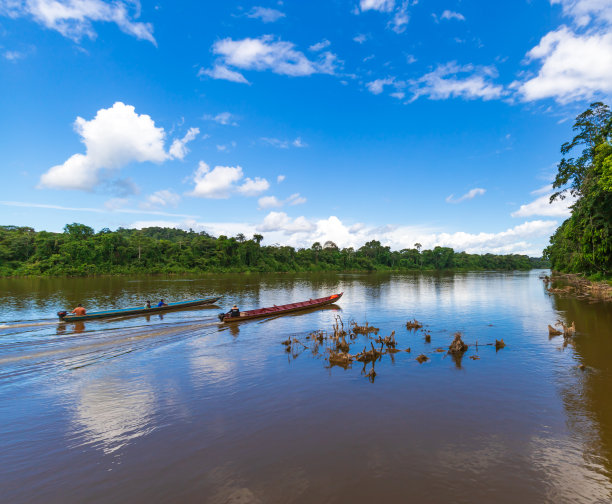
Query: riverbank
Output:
(578,286)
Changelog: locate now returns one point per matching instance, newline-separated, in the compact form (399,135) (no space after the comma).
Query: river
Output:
(178,408)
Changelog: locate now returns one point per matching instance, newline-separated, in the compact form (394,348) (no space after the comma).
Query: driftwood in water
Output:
(427,338)
(388,341)
(553,332)
(457,346)
(370,355)
(340,359)
(499,344)
(413,324)
(422,358)
(365,329)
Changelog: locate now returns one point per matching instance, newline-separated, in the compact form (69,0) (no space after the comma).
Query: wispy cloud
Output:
(265,14)
(224,118)
(108,208)
(471,194)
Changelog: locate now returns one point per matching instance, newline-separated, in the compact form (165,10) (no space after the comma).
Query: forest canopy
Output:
(583,243)
(80,251)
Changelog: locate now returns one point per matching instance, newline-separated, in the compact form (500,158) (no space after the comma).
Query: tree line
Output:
(583,243)
(80,251)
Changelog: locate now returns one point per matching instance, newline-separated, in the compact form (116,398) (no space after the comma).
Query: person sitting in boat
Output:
(161,303)
(147,304)
(234,312)
(79,310)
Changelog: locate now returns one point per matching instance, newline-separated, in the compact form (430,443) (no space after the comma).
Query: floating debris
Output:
(365,329)
(413,324)
(553,332)
(499,344)
(407,350)
(458,346)
(422,358)
(388,341)
(440,350)
(343,360)
(427,338)
(474,357)
(370,355)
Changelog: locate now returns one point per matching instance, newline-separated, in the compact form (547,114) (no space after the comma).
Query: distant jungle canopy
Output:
(583,243)
(79,251)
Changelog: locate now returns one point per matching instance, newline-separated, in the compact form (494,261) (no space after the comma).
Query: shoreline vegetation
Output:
(574,285)
(80,252)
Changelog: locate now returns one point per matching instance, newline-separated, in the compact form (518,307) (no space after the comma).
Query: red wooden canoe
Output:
(279,310)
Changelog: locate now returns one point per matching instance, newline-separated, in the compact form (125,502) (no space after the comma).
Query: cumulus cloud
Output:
(452,80)
(74,18)
(178,149)
(114,138)
(274,202)
(400,18)
(542,205)
(265,14)
(265,53)
(573,66)
(221,182)
(526,238)
(162,199)
(471,194)
(585,12)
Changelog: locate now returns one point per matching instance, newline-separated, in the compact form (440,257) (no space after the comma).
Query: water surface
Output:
(181,408)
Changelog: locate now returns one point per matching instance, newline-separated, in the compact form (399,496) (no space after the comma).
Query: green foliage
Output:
(79,251)
(583,243)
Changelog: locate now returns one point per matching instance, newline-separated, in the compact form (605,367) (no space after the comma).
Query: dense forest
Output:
(583,243)
(79,251)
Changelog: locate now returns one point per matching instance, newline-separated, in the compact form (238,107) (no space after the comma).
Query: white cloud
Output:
(13,55)
(280,178)
(221,182)
(284,144)
(377,5)
(573,67)
(253,187)
(224,118)
(280,221)
(319,46)
(269,202)
(162,199)
(178,149)
(74,18)
(274,202)
(302,232)
(447,14)
(360,38)
(400,19)
(400,95)
(114,138)
(265,14)
(472,193)
(377,86)
(265,53)
(543,206)
(223,73)
(113,205)
(585,12)
(452,80)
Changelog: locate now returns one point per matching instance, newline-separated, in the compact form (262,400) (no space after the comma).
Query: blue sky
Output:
(403,121)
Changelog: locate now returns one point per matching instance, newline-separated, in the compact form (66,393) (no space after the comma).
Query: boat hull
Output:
(273,311)
(138,311)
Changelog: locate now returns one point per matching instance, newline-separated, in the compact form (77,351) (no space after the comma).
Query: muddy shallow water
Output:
(180,408)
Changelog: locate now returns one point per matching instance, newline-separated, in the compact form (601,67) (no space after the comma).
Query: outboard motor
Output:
(221,316)
(61,314)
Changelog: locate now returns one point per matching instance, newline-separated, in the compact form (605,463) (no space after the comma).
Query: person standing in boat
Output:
(79,310)
(161,303)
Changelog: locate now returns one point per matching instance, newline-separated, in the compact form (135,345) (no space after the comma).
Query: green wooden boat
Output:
(140,310)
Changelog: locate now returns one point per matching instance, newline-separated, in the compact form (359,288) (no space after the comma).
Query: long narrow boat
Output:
(273,311)
(140,310)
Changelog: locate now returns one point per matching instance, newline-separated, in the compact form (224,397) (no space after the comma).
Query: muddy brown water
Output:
(181,409)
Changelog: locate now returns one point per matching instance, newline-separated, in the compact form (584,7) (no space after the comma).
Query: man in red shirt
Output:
(79,310)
